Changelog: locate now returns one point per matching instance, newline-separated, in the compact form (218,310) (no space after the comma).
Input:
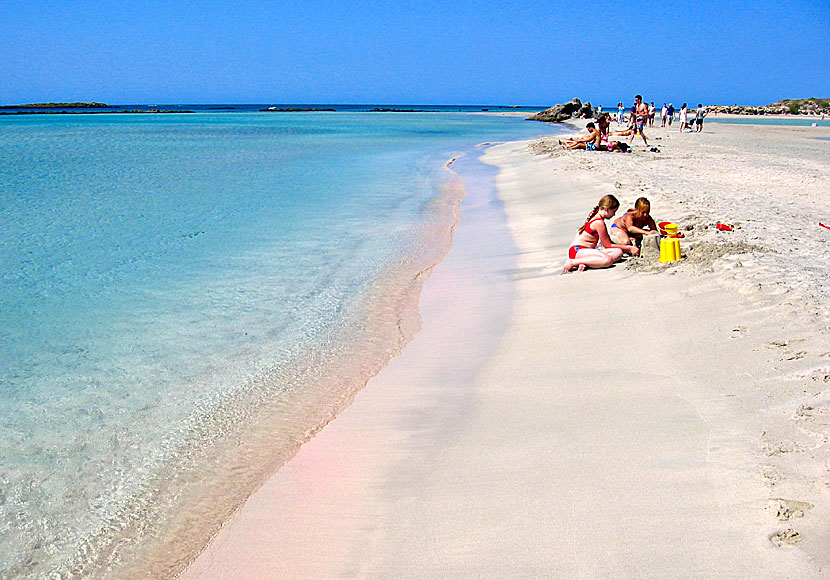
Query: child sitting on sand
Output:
(630,227)
(584,252)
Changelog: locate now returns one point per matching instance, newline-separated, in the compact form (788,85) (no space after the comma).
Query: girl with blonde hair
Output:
(631,226)
(584,252)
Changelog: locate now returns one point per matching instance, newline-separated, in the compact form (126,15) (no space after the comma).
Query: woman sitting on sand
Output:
(589,142)
(629,228)
(584,252)
(605,141)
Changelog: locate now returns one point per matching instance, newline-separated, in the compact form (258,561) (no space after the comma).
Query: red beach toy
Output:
(824,226)
(723,227)
(669,229)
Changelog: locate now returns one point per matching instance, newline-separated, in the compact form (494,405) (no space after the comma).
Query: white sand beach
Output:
(644,421)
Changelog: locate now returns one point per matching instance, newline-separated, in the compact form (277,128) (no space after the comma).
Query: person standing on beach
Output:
(663,112)
(684,118)
(640,114)
(620,113)
(699,114)
(670,113)
(652,110)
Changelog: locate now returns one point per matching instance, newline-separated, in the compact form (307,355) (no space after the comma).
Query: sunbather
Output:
(589,141)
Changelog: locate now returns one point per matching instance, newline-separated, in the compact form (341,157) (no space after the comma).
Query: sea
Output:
(185,298)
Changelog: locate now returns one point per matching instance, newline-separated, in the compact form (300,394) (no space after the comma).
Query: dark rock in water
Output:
(565,111)
(376,110)
(294,110)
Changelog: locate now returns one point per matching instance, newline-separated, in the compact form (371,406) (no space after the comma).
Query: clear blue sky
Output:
(528,52)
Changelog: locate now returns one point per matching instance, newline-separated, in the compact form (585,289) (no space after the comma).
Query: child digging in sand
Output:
(584,253)
(630,227)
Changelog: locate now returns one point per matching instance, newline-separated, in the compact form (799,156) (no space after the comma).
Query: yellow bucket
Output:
(669,250)
(671,229)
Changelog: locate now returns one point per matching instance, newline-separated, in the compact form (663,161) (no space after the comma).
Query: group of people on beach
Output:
(599,133)
(598,137)
(625,235)
(595,245)
(667,117)
(642,115)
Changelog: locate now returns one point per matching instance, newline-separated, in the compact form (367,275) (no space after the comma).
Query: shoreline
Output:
(390,428)
(699,442)
(171,523)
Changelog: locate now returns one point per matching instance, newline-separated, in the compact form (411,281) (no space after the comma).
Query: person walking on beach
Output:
(684,118)
(670,113)
(663,112)
(652,111)
(620,113)
(699,114)
(640,114)
(584,253)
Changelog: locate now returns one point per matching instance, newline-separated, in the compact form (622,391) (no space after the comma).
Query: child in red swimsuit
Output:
(584,252)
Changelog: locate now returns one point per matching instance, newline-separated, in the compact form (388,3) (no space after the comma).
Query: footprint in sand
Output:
(787,509)
(784,538)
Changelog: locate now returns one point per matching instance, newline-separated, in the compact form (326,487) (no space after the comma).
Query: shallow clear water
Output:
(154,267)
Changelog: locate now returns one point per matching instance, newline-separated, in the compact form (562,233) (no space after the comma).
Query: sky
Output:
(529,52)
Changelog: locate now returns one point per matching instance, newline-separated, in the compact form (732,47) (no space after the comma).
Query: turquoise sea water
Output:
(176,290)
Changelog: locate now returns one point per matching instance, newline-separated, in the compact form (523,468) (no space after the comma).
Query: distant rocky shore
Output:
(72,109)
(108,112)
(57,106)
(785,107)
(576,109)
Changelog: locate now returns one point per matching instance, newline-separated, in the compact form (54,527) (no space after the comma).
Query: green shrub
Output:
(794,109)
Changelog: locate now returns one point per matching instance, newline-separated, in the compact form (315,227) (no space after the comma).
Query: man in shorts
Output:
(699,114)
(640,114)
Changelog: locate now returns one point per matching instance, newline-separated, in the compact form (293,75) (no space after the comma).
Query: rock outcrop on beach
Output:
(565,111)
(812,106)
